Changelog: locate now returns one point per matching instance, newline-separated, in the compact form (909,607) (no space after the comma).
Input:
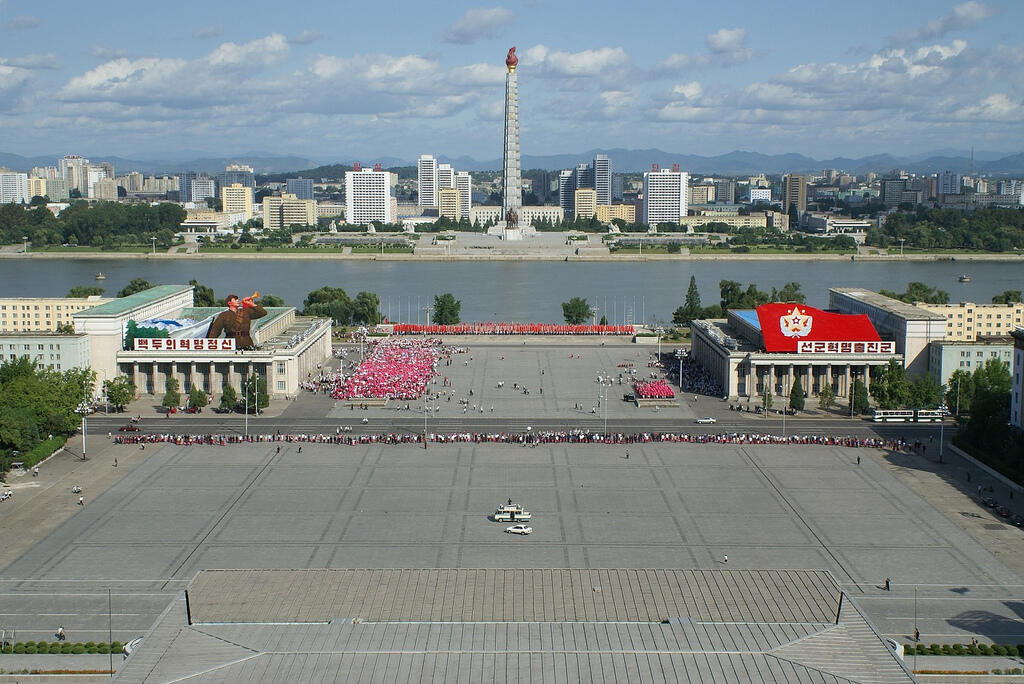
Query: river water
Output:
(510,290)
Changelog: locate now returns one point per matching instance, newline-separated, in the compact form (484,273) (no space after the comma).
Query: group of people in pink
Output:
(511,329)
(394,369)
(653,389)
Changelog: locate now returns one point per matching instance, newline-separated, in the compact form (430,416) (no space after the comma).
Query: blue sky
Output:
(346,80)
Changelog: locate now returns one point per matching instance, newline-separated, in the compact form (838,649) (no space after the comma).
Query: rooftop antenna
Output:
(972,161)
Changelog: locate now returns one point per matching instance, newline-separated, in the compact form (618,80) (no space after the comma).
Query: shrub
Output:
(30,648)
(1012,650)
(958,649)
(1015,670)
(116,646)
(103,647)
(66,647)
(8,648)
(54,647)
(19,648)
(935,649)
(946,650)
(998,650)
(90,644)
(996,670)
(971,649)
(78,649)
(90,649)
(985,649)
(42,646)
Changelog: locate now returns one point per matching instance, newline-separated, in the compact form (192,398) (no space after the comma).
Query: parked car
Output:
(130,427)
(519,529)
(706,421)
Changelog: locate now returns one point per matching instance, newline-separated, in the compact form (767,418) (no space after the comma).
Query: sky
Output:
(345,80)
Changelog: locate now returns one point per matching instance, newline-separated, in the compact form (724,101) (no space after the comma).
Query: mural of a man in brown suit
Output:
(237,320)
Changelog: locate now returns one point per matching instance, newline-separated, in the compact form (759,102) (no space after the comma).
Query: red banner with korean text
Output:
(785,325)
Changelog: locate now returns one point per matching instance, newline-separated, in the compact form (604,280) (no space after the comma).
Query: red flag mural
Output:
(784,325)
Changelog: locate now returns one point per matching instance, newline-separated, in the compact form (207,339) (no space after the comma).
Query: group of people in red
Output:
(394,369)
(511,329)
(653,389)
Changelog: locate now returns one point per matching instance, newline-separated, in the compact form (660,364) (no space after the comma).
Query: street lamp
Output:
(84,410)
(25,240)
(902,240)
(154,244)
(427,310)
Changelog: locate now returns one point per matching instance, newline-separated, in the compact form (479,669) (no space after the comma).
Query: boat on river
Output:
(964,278)
(100,276)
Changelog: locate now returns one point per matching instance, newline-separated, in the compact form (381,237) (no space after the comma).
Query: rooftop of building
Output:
(544,625)
(123,305)
(992,340)
(36,334)
(888,304)
(958,305)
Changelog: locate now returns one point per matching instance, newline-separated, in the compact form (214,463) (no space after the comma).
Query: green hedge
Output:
(1011,650)
(38,453)
(60,648)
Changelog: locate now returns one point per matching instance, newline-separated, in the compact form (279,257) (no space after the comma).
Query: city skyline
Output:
(220,80)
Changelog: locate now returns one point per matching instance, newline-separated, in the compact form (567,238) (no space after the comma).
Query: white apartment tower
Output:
(370,196)
(427,176)
(445,176)
(236,199)
(75,170)
(664,196)
(464,184)
(14,187)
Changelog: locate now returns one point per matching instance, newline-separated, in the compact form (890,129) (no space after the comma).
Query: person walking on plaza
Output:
(61,636)
(115,462)
(725,559)
(81,501)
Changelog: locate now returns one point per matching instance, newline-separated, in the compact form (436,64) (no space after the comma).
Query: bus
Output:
(892,416)
(930,416)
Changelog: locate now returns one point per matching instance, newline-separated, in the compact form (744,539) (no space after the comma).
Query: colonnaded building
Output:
(287,347)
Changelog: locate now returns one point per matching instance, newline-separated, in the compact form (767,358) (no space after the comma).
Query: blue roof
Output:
(750,316)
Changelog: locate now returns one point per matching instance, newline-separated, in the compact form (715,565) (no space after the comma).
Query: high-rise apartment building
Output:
(664,196)
(57,190)
(702,193)
(201,188)
(94,174)
(369,196)
(760,195)
(185,179)
(74,169)
(105,189)
(45,172)
(448,204)
(725,191)
(286,211)
(14,187)
(585,204)
(237,173)
(567,192)
(36,187)
(236,199)
(948,183)
(427,180)
(794,193)
(445,176)
(300,187)
(602,178)
(464,184)
(131,182)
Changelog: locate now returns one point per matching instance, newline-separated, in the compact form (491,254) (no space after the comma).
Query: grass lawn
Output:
(375,249)
(88,249)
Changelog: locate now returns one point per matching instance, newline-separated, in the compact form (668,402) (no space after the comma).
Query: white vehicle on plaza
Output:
(511,512)
(706,421)
(519,529)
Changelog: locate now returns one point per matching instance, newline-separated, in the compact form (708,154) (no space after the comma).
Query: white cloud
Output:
(35,61)
(477,24)
(727,48)
(12,81)
(689,90)
(306,37)
(962,16)
(207,32)
(998,107)
(267,50)
(107,52)
(607,63)
(21,22)
(726,40)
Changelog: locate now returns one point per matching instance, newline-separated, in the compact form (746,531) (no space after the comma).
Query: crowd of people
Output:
(511,329)
(653,389)
(393,369)
(530,437)
(698,380)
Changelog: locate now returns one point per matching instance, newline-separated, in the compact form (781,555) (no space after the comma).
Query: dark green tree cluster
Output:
(254,393)
(733,296)
(101,224)
(986,434)
(36,402)
(334,302)
(576,311)
(1008,297)
(801,242)
(891,388)
(446,309)
(83,291)
(119,392)
(919,292)
(993,229)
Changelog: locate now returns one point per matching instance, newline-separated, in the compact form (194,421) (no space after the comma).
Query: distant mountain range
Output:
(737,163)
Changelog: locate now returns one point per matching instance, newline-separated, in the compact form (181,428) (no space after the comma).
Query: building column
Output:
(809,381)
(135,377)
(867,378)
(192,373)
(828,374)
(849,388)
(752,380)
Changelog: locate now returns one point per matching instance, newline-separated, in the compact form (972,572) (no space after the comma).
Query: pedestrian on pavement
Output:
(725,559)
(300,450)
(627,455)
(35,472)
(858,459)
(917,635)
(61,636)
(887,584)
(81,501)
(115,462)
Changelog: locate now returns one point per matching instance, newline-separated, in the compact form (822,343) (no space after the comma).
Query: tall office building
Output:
(36,186)
(585,205)
(236,199)
(794,193)
(445,176)
(725,191)
(567,192)
(300,187)
(949,183)
(14,187)
(369,196)
(201,188)
(664,196)
(75,170)
(602,178)
(427,177)
(286,211)
(464,184)
(105,189)
(93,175)
(448,203)
(45,172)
(185,179)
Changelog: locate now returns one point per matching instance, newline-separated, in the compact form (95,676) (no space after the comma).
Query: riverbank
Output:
(326,255)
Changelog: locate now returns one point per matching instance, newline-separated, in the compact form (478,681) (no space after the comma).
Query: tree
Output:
(919,292)
(202,295)
(860,397)
(691,308)
(254,389)
(172,395)
(366,308)
(65,329)
(576,311)
(197,397)
(796,395)
(83,291)
(1008,297)
(891,388)
(987,428)
(329,302)
(446,309)
(271,300)
(766,397)
(925,392)
(826,397)
(120,392)
(136,285)
(790,292)
(228,397)
(960,391)
(604,320)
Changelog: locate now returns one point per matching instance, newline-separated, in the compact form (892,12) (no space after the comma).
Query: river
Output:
(510,290)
